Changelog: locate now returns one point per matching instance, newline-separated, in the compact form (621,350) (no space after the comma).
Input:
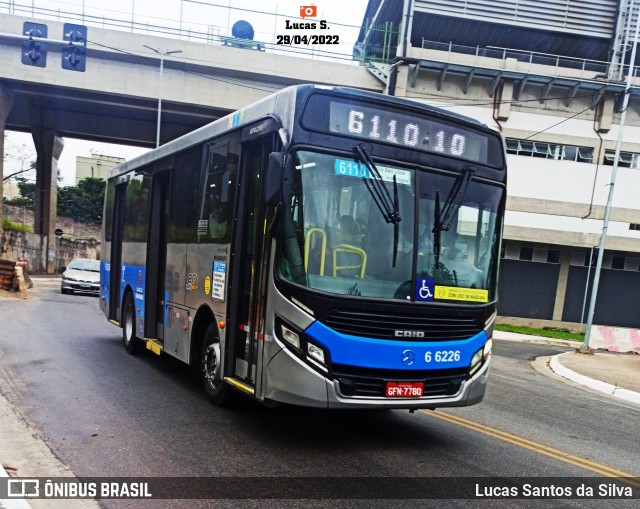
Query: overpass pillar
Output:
(48,148)
(6,101)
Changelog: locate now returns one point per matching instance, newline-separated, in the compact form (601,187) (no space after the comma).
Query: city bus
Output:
(322,247)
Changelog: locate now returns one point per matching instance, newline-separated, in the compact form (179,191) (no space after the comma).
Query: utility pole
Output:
(163,53)
(614,171)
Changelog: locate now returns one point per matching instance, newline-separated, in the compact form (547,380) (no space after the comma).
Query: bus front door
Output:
(252,269)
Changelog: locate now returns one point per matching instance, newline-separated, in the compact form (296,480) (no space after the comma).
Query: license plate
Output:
(404,389)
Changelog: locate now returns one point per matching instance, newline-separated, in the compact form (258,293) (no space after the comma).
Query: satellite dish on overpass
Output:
(242,30)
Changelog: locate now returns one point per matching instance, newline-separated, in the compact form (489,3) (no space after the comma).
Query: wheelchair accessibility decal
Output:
(425,289)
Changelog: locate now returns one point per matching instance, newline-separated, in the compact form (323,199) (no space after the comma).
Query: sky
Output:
(215,16)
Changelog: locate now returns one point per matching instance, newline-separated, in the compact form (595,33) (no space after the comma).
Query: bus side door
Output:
(155,292)
(116,251)
(251,264)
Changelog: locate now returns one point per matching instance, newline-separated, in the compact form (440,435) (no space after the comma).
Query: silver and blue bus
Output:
(324,247)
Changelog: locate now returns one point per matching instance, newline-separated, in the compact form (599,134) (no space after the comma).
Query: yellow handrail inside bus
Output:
(307,247)
(348,248)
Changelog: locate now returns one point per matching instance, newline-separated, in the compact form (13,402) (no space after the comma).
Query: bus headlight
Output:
(298,343)
(479,356)
(487,348)
(315,352)
(315,355)
(475,361)
(289,336)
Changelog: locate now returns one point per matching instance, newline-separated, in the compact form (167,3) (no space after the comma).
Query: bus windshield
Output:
(338,237)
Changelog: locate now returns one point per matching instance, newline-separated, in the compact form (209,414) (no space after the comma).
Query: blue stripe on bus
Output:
(389,354)
(105,271)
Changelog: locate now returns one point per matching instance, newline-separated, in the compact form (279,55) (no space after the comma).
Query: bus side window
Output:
(217,200)
(185,193)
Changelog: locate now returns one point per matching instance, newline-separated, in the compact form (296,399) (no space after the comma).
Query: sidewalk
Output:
(616,374)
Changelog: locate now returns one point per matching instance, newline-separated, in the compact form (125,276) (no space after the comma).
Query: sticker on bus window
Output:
(203,227)
(219,280)
(425,289)
(347,168)
(466,294)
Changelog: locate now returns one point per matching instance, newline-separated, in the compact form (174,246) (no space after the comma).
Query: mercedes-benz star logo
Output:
(408,357)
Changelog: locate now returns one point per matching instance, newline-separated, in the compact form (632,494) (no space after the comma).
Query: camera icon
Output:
(308,11)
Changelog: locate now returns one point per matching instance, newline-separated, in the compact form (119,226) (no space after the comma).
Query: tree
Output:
(27,192)
(68,198)
(21,155)
(82,202)
(92,197)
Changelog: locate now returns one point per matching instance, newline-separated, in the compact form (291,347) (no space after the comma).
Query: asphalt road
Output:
(106,413)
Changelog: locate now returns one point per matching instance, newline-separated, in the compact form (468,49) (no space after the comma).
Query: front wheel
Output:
(211,375)
(131,343)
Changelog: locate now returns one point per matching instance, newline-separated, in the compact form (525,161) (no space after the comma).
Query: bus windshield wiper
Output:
(452,204)
(387,206)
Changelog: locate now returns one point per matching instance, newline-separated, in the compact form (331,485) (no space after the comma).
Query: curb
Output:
(597,385)
(540,340)
(12,503)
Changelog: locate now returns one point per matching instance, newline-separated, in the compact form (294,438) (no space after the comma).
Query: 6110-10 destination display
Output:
(404,128)
(431,135)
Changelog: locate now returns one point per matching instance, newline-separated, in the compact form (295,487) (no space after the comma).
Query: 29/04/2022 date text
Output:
(307,39)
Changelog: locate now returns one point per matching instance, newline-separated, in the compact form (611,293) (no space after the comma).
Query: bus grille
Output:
(383,326)
(373,382)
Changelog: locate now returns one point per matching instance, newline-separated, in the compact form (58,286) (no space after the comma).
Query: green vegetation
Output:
(547,332)
(10,225)
(82,202)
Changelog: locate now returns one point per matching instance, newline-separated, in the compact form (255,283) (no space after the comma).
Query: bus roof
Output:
(279,104)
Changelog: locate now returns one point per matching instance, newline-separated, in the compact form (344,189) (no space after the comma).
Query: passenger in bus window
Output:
(218,223)
(465,274)
(348,231)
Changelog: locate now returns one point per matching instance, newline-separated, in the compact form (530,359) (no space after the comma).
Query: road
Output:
(108,414)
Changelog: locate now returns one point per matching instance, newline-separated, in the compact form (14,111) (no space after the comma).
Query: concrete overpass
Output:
(116,99)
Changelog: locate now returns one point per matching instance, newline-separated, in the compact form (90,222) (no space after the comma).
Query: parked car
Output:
(81,275)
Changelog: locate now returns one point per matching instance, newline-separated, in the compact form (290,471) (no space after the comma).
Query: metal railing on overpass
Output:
(530,57)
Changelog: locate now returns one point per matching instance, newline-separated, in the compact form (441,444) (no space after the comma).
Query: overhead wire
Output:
(229,81)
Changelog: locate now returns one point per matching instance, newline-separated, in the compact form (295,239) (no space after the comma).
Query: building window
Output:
(526,253)
(540,254)
(617,262)
(626,160)
(553,256)
(549,150)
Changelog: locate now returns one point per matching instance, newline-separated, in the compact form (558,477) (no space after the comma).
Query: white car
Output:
(81,275)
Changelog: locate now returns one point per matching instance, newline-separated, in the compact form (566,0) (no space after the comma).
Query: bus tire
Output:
(132,344)
(211,376)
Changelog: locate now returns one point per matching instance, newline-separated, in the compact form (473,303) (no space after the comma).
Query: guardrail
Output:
(529,57)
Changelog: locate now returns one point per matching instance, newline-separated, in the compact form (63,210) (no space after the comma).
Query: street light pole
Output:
(162,53)
(614,171)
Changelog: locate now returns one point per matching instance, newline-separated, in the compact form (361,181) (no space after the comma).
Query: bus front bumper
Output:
(290,380)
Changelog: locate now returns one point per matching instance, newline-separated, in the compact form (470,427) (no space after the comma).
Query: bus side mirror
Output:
(272,183)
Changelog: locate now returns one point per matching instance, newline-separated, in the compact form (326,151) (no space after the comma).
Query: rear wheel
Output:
(211,363)
(131,343)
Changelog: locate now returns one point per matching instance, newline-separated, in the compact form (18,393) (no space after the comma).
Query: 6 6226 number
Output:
(442,356)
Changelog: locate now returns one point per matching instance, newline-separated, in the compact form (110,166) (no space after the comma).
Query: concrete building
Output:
(96,166)
(551,76)
(10,189)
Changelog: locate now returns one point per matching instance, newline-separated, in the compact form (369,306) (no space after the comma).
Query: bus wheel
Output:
(131,344)
(211,368)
